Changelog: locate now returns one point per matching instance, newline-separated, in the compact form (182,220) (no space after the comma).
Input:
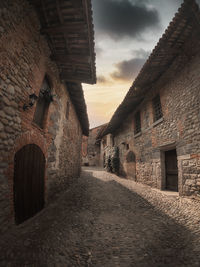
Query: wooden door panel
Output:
(172,182)
(171,170)
(28,182)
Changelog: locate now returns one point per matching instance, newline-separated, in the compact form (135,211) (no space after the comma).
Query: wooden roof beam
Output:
(59,11)
(72,58)
(66,28)
(76,78)
(76,3)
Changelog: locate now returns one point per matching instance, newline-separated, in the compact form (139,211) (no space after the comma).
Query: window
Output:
(67,110)
(137,123)
(157,108)
(42,103)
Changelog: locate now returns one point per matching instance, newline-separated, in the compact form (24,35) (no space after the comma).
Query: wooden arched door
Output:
(29,171)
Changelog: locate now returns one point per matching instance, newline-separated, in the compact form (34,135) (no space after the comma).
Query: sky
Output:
(126,31)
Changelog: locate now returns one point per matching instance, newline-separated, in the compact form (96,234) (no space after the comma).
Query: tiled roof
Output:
(68,27)
(170,45)
(70,34)
(77,97)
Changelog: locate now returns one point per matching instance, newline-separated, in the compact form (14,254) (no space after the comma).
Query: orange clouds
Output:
(102,80)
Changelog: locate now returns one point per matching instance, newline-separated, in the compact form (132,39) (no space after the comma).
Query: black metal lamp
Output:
(32,101)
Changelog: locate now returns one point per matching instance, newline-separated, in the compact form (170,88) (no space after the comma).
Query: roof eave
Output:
(140,85)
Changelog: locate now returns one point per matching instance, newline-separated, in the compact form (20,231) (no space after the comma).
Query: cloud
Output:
(120,19)
(127,70)
(98,50)
(103,80)
(140,53)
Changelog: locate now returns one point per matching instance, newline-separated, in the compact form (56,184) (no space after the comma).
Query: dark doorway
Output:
(29,170)
(104,160)
(171,170)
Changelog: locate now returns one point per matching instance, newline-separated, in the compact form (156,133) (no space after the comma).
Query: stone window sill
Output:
(138,134)
(157,122)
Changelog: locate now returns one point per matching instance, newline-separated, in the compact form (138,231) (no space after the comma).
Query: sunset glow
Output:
(121,49)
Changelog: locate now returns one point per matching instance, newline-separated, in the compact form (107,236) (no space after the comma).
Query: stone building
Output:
(91,147)
(157,126)
(46,52)
(84,151)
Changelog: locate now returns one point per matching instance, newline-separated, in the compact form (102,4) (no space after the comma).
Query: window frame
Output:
(157,108)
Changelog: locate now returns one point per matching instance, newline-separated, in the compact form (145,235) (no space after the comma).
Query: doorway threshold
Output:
(167,192)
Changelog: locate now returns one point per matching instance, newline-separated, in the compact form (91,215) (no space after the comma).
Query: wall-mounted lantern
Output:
(32,100)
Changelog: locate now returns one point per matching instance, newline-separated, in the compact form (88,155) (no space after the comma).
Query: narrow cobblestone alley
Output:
(104,220)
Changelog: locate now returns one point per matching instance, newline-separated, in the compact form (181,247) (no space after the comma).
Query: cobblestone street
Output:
(104,220)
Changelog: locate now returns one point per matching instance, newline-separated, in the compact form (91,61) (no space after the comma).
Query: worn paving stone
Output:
(104,220)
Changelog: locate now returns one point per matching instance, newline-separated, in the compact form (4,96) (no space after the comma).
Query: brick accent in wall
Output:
(24,62)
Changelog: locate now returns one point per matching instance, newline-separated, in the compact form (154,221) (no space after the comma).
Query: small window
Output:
(42,103)
(127,146)
(157,108)
(137,123)
(67,110)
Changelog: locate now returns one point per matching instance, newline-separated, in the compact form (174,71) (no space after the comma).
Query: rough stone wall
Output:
(93,149)
(107,149)
(103,151)
(24,61)
(85,161)
(179,90)
(64,153)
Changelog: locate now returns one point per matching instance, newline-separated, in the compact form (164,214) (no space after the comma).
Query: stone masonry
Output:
(24,62)
(104,220)
(179,126)
(91,148)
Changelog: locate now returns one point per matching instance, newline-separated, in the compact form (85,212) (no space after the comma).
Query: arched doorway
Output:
(29,171)
(130,165)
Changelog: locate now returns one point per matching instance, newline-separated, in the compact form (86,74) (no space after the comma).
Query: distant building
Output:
(85,161)
(46,52)
(91,147)
(157,126)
